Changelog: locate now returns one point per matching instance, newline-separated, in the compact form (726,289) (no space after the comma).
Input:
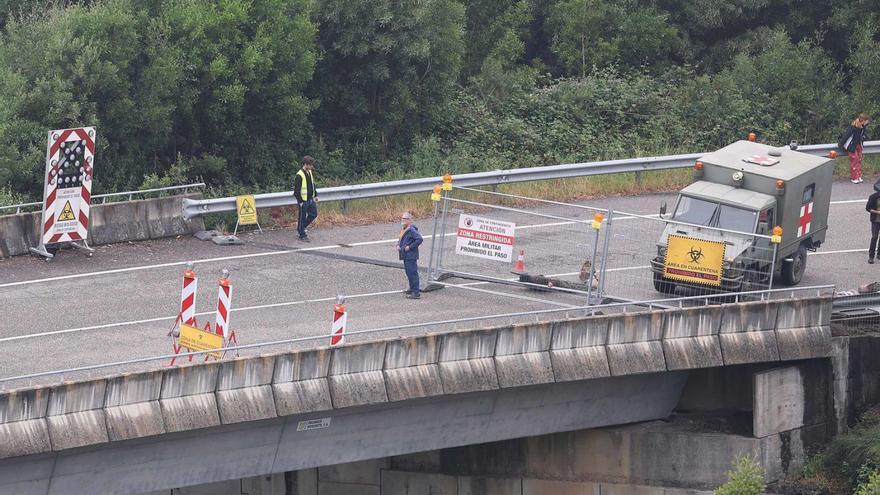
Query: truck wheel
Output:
(793,272)
(663,286)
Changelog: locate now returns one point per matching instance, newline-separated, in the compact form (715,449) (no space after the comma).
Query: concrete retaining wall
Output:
(109,223)
(791,397)
(366,374)
(657,454)
(332,480)
(18,233)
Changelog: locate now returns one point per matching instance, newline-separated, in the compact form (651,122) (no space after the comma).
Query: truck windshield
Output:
(738,219)
(695,211)
(701,212)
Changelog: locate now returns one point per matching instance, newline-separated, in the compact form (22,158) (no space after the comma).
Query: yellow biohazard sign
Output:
(199,340)
(247,211)
(66,213)
(694,260)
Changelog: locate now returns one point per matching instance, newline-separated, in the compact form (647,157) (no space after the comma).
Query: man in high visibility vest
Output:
(306,196)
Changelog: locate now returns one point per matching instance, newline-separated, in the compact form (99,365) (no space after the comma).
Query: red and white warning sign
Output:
(485,238)
(70,168)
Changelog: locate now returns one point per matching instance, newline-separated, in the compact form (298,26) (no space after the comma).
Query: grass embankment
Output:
(387,209)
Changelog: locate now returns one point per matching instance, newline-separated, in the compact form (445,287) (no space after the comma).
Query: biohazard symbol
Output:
(695,254)
(246,208)
(66,213)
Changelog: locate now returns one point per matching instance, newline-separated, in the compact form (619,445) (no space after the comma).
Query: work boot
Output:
(870,261)
(304,238)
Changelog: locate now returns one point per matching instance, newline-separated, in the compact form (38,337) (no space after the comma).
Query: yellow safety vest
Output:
(304,188)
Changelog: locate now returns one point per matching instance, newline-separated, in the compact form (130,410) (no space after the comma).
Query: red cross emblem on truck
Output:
(806,219)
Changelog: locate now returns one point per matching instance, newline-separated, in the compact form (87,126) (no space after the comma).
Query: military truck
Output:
(743,189)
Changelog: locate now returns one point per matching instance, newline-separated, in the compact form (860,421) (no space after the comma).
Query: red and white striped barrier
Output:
(224,305)
(188,295)
(337,332)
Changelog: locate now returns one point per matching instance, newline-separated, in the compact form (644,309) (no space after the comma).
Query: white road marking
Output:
(839,251)
(204,313)
(326,299)
(304,249)
(267,306)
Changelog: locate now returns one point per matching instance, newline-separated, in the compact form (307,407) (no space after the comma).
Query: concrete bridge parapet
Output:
(246,389)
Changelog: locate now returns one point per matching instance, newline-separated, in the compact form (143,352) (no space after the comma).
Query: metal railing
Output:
(104,197)
(670,303)
(193,208)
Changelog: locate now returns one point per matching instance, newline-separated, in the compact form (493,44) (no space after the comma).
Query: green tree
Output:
(496,30)
(863,62)
(746,478)
(587,33)
(495,40)
(581,37)
(226,83)
(387,66)
(799,87)
(65,67)
(213,87)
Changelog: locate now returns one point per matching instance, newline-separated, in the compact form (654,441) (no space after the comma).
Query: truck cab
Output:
(739,194)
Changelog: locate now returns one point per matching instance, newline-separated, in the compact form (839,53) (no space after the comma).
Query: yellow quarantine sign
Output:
(66,214)
(247,210)
(199,340)
(694,260)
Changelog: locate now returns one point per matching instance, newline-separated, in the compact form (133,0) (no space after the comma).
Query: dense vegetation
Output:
(233,92)
(850,464)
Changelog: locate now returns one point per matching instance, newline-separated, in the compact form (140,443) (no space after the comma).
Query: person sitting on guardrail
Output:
(408,251)
(306,194)
(851,141)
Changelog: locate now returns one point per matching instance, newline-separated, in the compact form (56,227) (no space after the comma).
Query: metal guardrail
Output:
(669,303)
(104,197)
(193,208)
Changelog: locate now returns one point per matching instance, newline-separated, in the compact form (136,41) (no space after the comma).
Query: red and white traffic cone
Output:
(188,295)
(520,266)
(337,332)
(224,305)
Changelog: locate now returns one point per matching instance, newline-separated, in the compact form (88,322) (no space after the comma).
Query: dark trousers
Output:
(308,212)
(875,230)
(412,274)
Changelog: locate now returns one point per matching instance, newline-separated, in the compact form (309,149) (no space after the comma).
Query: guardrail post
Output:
(639,178)
(344,206)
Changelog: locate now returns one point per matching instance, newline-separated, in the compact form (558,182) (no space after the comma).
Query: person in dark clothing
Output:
(873,207)
(408,251)
(306,195)
(851,142)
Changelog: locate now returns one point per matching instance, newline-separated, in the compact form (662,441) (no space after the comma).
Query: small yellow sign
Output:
(694,260)
(247,210)
(199,340)
(66,213)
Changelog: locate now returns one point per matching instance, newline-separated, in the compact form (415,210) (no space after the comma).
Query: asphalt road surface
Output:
(120,304)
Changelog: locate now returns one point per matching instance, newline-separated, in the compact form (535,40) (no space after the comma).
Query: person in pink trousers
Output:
(851,141)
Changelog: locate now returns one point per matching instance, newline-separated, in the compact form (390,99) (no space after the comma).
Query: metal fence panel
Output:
(637,268)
